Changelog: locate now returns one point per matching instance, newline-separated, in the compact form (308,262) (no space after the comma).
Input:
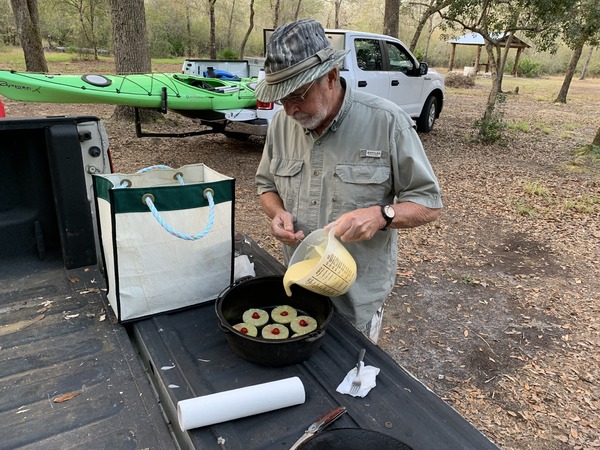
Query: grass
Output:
(589,155)
(542,126)
(570,126)
(536,188)
(586,204)
(11,58)
(519,125)
(524,209)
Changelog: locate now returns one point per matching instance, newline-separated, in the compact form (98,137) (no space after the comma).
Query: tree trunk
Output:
(596,140)
(564,90)
(420,25)
(89,32)
(429,35)
(338,7)
(495,57)
(586,64)
(433,6)
(250,28)
(229,37)
(391,17)
(297,12)
(27,21)
(503,59)
(276,14)
(213,33)
(188,28)
(130,43)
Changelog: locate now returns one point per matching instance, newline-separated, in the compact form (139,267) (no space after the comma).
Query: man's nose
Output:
(290,110)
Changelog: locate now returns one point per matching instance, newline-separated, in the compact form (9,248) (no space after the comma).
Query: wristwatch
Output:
(388,214)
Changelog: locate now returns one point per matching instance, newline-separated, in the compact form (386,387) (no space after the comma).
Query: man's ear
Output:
(332,77)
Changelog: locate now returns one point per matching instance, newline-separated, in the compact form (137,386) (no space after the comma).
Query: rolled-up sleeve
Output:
(264,179)
(414,178)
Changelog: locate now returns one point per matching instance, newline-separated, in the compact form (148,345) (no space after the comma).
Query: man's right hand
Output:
(282,227)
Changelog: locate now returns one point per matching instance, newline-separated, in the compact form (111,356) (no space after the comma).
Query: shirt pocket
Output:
(361,185)
(287,174)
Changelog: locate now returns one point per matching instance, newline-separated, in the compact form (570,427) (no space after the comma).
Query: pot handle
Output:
(225,291)
(317,334)
(234,284)
(223,328)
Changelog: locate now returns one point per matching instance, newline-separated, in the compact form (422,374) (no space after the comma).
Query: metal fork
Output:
(357,381)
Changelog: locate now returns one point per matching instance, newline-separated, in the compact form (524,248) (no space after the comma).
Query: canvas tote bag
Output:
(166,237)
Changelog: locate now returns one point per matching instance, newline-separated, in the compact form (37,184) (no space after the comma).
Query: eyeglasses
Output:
(295,100)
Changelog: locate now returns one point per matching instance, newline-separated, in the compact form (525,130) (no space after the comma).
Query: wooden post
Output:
(477,58)
(452,52)
(516,68)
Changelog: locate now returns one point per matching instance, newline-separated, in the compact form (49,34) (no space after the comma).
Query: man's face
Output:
(308,105)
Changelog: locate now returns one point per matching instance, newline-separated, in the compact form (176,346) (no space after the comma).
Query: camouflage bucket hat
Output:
(297,53)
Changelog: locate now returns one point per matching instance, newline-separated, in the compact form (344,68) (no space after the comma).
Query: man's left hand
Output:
(358,225)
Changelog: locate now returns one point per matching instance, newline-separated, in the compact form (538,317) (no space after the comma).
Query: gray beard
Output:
(309,122)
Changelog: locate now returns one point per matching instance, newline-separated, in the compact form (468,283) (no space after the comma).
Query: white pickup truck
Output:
(379,64)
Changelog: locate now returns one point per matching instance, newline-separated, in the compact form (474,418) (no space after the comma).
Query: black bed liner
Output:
(53,342)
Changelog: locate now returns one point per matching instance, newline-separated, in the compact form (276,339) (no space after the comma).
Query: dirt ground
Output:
(496,305)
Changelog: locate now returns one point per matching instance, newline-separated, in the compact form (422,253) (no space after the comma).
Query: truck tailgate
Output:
(187,356)
(69,378)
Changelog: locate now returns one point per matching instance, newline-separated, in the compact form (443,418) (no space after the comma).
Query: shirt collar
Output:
(348,97)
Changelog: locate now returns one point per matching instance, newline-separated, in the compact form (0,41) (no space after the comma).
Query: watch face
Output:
(389,211)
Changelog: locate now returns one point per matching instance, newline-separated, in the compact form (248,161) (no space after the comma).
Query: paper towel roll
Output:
(243,402)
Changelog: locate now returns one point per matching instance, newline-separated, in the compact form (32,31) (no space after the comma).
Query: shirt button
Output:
(318,143)
(316,173)
(314,202)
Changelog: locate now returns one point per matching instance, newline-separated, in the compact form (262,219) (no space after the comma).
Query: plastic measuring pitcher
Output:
(321,264)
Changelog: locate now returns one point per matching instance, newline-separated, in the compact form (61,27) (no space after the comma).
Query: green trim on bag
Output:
(170,198)
(102,187)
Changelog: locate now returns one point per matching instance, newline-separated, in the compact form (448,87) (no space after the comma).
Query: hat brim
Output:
(272,92)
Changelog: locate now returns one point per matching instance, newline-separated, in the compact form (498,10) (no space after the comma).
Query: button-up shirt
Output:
(369,155)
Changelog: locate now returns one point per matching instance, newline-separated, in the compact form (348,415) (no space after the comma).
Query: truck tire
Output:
(428,115)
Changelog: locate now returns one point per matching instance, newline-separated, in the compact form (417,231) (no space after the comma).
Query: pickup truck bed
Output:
(53,342)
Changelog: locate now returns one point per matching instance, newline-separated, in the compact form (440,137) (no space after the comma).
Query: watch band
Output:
(388,219)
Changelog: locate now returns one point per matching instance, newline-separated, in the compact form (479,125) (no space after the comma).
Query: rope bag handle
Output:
(148,200)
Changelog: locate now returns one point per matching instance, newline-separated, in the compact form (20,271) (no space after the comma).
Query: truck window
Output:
(368,54)
(399,59)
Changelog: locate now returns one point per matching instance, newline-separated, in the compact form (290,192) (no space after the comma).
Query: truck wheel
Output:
(428,115)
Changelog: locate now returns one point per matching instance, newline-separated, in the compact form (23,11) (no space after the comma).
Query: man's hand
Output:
(282,222)
(282,228)
(358,225)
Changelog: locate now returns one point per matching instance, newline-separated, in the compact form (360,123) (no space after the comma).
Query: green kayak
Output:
(157,90)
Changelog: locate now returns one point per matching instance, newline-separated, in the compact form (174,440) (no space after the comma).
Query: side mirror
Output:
(423,68)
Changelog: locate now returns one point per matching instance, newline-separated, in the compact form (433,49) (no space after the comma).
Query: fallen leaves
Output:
(65,397)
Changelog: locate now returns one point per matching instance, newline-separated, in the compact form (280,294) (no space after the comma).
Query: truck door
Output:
(406,83)
(371,75)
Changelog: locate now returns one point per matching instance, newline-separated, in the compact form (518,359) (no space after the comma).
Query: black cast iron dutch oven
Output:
(267,293)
